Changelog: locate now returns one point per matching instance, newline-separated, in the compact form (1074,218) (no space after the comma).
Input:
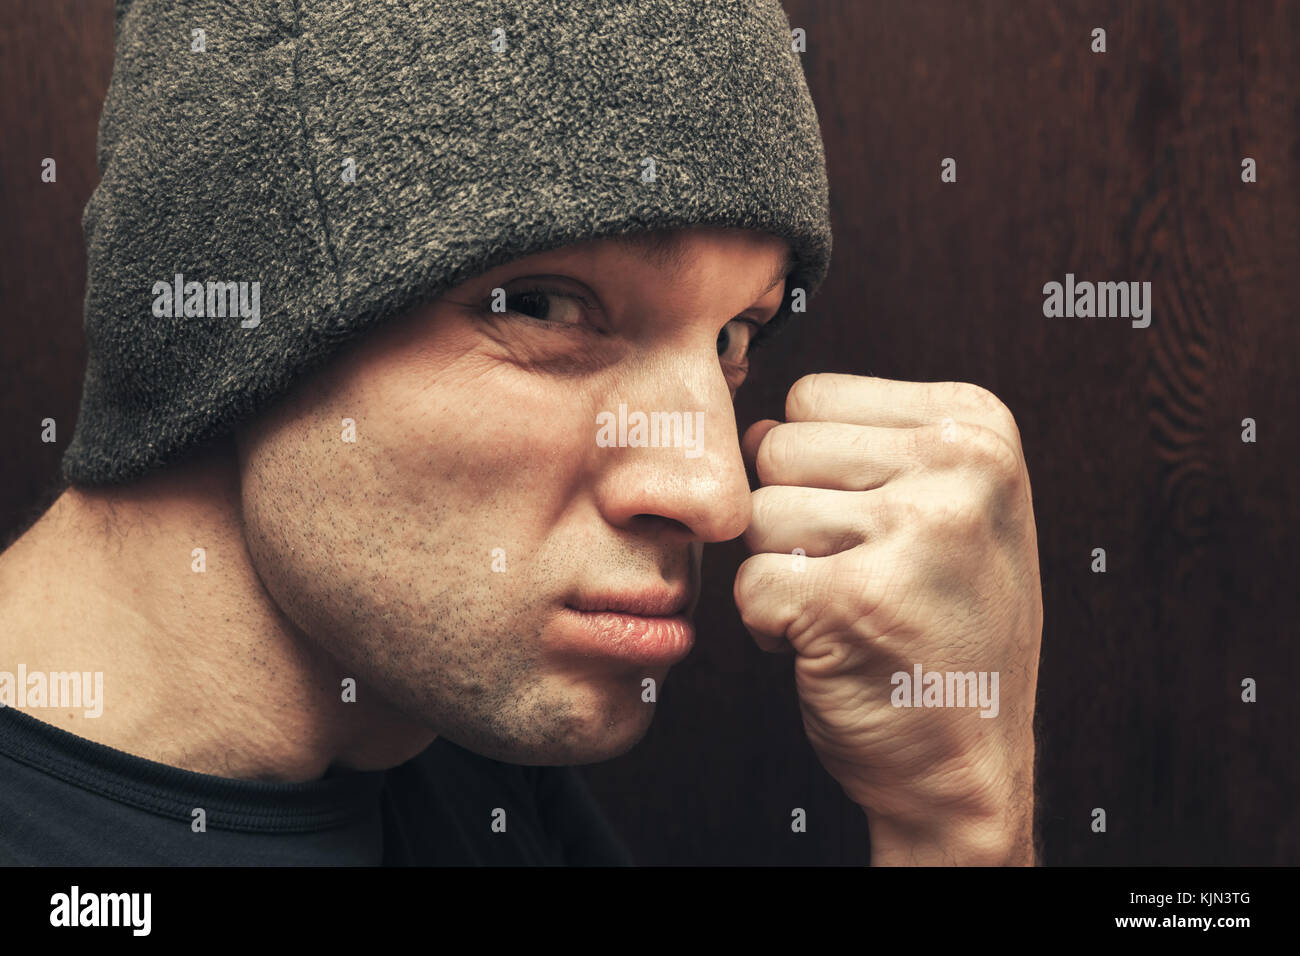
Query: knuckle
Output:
(929,442)
(952,442)
(1003,474)
(848,538)
(964,521)
(906,513)
(892,513)
(802,399)
(974,396)
(992,408)
(1004,422)
(953,519)
(748,586)
(763,507)
(994,454)
(776,453)
(965,445)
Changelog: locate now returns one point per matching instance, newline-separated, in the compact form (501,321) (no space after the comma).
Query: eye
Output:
(542,304)
(734,341)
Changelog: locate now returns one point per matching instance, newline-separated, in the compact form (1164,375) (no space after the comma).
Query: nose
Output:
(668,453)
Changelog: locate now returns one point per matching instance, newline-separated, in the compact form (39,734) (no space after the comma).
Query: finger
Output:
(833,455)
(841,457)
(810,521)
(863,400)
(771,595)
(753,438)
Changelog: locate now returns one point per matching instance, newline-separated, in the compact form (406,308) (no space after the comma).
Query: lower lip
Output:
(629,637)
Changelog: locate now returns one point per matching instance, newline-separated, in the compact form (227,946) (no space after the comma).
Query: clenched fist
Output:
(894,537)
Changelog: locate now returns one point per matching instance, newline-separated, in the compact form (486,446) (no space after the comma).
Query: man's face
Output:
(456,557)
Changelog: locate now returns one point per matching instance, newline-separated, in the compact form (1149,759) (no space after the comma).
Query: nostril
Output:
(664,519)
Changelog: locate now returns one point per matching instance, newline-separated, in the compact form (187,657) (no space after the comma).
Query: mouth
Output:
(644,603)
(647,627)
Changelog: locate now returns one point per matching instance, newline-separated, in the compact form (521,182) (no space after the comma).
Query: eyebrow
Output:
(783,270)
(668,252)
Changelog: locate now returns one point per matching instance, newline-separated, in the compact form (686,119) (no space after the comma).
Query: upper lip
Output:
(650,602)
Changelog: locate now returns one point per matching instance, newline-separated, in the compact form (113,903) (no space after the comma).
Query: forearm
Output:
(1000,832)
(955,842)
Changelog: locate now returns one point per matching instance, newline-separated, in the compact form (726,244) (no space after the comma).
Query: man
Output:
(367,556)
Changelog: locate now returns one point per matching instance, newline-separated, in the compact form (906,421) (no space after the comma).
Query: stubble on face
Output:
(428,557)
(382,553)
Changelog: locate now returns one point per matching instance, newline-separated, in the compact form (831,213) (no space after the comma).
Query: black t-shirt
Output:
(68,801)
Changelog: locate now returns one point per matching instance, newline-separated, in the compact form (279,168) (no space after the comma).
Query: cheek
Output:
(393,485)
(504,447)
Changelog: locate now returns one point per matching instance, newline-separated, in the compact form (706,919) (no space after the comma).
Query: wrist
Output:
(978,810)
(952,841)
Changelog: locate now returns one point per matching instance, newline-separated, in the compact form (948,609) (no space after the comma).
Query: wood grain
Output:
(1116,166)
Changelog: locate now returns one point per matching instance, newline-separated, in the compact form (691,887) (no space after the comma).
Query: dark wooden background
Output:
(1116,166)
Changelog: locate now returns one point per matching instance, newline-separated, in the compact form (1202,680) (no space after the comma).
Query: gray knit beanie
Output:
(279,176)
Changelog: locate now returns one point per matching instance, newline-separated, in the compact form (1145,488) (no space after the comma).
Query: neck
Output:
(152,585)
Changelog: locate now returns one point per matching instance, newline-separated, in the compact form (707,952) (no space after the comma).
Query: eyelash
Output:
(762,335)
(486,307)
(756,338)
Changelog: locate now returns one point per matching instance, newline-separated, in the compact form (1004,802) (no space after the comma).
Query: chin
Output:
(602,743)
(590,728)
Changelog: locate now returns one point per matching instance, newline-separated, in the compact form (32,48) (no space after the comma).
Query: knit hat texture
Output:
(356,158)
